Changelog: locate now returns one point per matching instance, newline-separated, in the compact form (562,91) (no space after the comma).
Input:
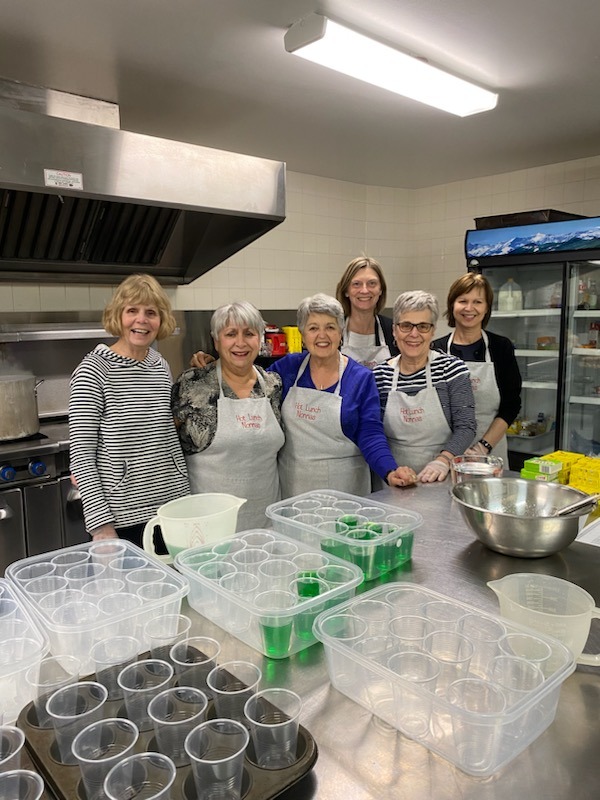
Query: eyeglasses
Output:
(422,327)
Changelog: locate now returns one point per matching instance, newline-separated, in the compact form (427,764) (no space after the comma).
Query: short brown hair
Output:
(464,285)
(145,290)
(353,267)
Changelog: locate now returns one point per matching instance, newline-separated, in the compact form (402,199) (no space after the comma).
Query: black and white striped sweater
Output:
(125,452)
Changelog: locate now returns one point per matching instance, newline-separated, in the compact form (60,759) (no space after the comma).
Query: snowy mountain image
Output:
(581,234)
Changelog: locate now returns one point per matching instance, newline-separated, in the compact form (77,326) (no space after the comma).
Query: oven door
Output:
(12,527)
(72,514)
(43,518)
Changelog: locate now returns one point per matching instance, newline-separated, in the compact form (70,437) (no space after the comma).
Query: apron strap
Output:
(486,346)
(304,364)
(379,337)
(259,377)
(396,375)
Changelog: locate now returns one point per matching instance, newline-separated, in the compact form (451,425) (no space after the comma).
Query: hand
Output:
(434,471)
(477,449)
(104,532)
(402,476)
(200,359)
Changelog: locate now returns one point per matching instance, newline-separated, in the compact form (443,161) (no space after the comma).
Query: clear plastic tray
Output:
(376,537)
(474,688)
(89,592)
(266,589)
(23,644)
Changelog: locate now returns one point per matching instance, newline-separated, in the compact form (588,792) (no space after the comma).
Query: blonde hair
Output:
(143,290)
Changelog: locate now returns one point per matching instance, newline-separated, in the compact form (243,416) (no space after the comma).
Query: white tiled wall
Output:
(416,234)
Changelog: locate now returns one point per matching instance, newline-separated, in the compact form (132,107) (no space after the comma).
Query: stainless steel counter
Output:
(361,758)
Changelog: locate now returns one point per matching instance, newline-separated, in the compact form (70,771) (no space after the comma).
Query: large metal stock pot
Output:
(18,406)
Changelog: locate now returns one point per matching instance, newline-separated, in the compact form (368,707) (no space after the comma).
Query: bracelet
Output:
(487,445)
(444,456)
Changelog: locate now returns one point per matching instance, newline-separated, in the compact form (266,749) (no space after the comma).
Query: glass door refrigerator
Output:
(546,279)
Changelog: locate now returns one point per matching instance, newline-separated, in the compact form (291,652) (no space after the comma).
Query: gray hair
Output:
(417,301)
(243,314)
(319,304)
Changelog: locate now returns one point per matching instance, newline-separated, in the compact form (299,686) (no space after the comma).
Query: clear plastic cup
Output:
(81,574)
(231,684)
(527,646)
(99,747)
(274,716)
(476,742)
(444,615)
(196,560)
(216,750)
(193,659)
(21,784)
(277,573)
(142,776)
(376,613)
(407,600)
(409,631)
(38,588)
(249,559)
(101,587)
(137,578)
(106,552)
(168,593)
(280,549)
(122,565)
(453,651)
(307,505)
(75,627)
(140,682)
(485,634)
(174,714)
(45,678)
(12,741)
(69,558)
(275,621)
(257,538)
(162,632)
(113,607)
(72,709)
(110,656)
(244,586)
(308,518)
(11,623)
(307,589)
(18,649)
(27,573)
(516,676)
(308,564)
(414,693)
(347,506)
(228,547)
(50,602)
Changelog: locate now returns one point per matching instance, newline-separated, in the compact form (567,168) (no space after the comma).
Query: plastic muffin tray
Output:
(472,687)
(65,779)
(376,537)
(265,588)
(23,644)
(89,592)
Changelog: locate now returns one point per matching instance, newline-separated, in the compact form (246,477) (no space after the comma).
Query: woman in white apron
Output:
(331,412)
(367,337)
(495,375)
(427,397)
(228,417)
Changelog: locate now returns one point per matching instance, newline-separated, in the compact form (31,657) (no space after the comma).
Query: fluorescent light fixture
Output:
(324,42)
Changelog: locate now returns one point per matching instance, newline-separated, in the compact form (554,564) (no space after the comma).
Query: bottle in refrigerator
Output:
(510,296)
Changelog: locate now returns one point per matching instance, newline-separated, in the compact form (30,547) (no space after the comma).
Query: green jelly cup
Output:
(362,551)
(307,564)
(331,543)
(353,520)
(276,620)
(308,588)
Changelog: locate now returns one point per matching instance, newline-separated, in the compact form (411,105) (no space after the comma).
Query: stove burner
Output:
(34,437)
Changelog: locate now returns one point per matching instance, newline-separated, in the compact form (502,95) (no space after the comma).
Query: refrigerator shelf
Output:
(539,353)
(549,385)
(584,401)
(586,351)
(527,312)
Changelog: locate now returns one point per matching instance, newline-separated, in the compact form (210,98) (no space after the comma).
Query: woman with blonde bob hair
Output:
(125,453)
(368,336)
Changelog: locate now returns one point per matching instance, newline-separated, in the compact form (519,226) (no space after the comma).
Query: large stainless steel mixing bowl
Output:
(515,516)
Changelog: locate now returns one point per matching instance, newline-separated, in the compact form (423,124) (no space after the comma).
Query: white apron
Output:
(487,395)
(242,458)
(416,426)
(364,348)
(317,454)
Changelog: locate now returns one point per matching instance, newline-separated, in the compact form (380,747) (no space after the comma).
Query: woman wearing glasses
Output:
(367,337)
(426,397)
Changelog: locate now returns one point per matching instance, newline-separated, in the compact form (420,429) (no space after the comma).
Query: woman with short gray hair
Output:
(426,397)
(330,409)
(228,415)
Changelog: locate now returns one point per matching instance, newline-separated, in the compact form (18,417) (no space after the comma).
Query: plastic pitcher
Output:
(553,606)
(193,520)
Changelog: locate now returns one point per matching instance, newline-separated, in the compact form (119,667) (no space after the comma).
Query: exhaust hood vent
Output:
(88,203)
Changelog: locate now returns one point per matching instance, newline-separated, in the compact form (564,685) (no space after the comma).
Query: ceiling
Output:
(215,72)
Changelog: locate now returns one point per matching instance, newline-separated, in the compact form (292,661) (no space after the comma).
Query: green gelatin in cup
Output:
(361,551)
(376,527)
(310,586)
(276,638)
(303,623)
(335,548)
(351,520)
(404,548)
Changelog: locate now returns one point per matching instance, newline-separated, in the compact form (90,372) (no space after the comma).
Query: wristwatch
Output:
(487,445)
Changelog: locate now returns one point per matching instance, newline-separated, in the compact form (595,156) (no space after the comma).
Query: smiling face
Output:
(139,324)
(322,336)
(237,346)
(364,290)
(470,309)
(414,344)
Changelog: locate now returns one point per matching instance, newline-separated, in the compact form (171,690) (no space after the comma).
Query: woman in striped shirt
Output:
(426,397)
(125,452)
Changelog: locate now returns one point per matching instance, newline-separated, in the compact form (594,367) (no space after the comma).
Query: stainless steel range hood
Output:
(87,203)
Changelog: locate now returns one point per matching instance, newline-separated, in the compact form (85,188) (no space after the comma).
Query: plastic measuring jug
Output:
(193,520)
(553,606)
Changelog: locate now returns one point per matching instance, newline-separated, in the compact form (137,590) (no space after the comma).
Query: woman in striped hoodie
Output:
(125,452)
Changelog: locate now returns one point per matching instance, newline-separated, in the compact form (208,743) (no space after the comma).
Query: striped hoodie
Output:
(124,449)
